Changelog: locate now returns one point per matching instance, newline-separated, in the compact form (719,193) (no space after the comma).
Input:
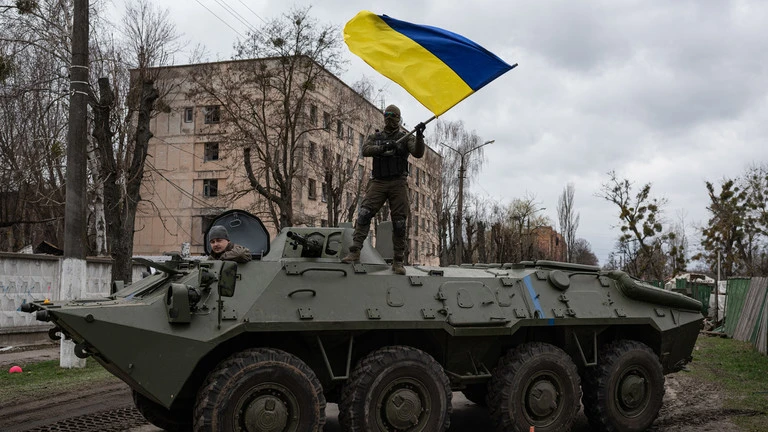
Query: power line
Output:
(179,148)
(180,189)
(232,12)
(257,15)
(220,19)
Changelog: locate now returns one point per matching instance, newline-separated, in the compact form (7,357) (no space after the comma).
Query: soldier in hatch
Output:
(389,182)
(223,249)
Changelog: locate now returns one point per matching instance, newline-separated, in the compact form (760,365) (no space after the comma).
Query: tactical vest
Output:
(391,166)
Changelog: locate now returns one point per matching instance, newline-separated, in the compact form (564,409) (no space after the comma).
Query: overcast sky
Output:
(669,92)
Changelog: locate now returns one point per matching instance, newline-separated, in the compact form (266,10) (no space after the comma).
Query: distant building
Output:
(193,173)
(549,244)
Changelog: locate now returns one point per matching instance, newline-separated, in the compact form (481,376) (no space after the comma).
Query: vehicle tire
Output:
(261,389)
(624,392)
(476,393)
(170,420)
(535,384)
(396,388)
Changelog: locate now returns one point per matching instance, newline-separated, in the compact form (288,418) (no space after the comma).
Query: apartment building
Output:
(196,165)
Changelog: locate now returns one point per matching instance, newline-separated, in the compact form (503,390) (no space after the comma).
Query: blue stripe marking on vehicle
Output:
(532,293)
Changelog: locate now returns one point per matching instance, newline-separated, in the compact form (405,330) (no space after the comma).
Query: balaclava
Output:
(391,122)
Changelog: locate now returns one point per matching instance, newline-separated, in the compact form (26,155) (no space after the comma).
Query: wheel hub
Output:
(632,392)
(403,408)
(266,413)
(542,399)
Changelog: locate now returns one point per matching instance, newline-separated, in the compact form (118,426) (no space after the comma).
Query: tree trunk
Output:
(99,159)
(121,201)
(482,254)
(99,223)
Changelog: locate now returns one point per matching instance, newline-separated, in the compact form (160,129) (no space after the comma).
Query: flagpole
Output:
(414,130)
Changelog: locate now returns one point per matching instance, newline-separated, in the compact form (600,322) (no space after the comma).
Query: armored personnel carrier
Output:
(263,346)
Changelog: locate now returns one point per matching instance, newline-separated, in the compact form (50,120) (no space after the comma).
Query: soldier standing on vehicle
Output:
(388,183)
(223,249)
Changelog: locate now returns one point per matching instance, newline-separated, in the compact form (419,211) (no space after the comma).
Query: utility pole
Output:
(460,204)
(73,268)
(717,291)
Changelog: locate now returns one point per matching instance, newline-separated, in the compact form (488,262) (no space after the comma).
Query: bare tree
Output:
(462,155)
(738,224)
(265,103)
(568,219)
(642,241)
(121,120)
(525,218)
(35,41)
(334,155)
(582,253)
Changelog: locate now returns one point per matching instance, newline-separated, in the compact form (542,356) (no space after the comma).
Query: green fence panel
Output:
(736,293)
(702,293)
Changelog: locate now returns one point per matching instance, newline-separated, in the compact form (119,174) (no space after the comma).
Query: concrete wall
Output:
(26,277)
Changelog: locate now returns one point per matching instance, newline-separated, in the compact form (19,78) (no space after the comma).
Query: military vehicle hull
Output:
(302,328)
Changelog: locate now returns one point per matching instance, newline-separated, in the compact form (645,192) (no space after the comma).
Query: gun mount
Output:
(312,244)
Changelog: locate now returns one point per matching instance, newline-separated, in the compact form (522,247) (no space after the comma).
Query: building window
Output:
(349,199)
(326,121)
(416,201)
(349,135)
(360,171)
(211,151)
(210,188)
(361,140)
(188,113)
(311,185)
(349,167)
(326,157)
(324,192)
(417,176)
(416,250)
(312,150)
(212,114)
(415,225)
(313,114)
(339,129)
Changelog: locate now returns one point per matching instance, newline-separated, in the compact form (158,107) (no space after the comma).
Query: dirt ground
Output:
(690,405)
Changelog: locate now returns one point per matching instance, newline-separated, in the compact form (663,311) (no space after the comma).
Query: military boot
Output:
(352,257)
(397,267)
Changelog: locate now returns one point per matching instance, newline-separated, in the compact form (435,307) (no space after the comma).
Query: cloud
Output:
(672,93)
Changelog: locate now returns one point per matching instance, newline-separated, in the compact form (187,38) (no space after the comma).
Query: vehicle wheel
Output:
(535,384)
(624,392)
(170,420)
(476,394)
(262,389)
(396,388)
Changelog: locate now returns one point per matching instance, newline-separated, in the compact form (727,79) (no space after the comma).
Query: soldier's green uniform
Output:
(389,182)
(233,252)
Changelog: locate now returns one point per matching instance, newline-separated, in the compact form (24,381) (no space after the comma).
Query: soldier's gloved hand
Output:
(388,146)
(420,130)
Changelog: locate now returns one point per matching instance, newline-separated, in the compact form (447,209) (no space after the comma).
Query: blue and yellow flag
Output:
(439,68)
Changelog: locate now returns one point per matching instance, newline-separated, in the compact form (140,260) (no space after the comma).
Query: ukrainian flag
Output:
(439,68)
